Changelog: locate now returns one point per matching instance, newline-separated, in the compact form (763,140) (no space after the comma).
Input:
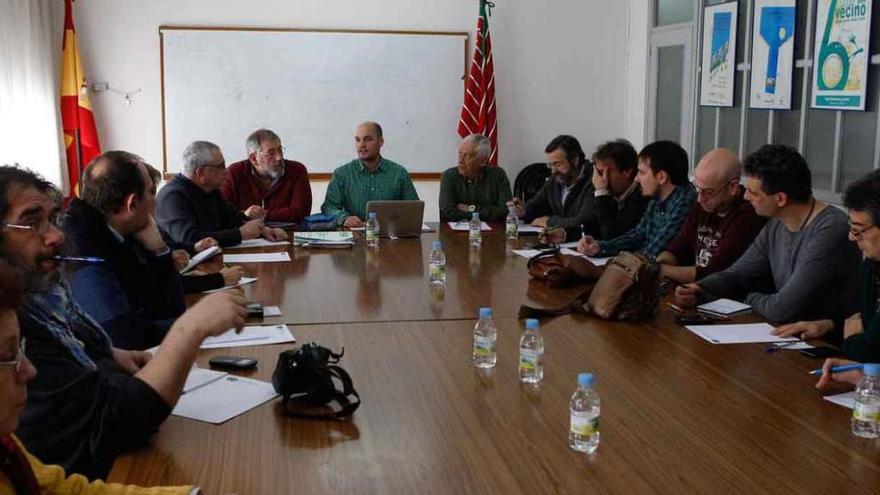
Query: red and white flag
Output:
(478,109)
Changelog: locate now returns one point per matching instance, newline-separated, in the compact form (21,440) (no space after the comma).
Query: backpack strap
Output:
(348,398)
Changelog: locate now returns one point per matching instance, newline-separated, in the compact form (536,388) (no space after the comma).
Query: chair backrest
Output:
(530,180)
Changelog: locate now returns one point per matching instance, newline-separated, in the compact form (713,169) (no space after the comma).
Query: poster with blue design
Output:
(772,54)
(718,67)
(840,54)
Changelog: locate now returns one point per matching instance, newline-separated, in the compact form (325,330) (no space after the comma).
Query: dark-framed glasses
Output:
(856,233)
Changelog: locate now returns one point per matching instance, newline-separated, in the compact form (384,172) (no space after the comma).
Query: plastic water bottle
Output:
(531,353)
(437,264)
(512,223)
(583,435)
(866,410)
(372,230)
(485,335)
(474,235)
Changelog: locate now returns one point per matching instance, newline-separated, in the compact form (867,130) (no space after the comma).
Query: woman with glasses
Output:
(20,472)
(861,332)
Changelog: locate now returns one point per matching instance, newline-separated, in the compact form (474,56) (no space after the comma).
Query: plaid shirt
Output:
(353,185)
(661,222)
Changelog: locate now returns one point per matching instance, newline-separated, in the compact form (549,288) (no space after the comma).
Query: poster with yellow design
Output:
(840,54)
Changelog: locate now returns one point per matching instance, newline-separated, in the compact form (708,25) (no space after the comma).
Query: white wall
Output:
(637,59)
(560,67)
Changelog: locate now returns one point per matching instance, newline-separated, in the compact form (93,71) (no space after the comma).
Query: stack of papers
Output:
(724,307)
(463,226)
(215,397)
(324,239)
(253,243)
(847,399)
(250,335)
(256,257)
(738,334)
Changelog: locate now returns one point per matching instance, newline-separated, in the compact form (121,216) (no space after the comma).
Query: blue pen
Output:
(839,369)
(80,259)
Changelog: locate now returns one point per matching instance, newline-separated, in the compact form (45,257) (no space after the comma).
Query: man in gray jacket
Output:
(801,266)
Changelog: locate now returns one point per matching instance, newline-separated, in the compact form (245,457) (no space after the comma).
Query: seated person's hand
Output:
(552,236)
(215,313)
(205,244)
(541,222)
(600,179)
(231,275)
(150,237)
(852,326)
(255,212)
(828,378)
(251,230)
(686,295)
(518,206)
(180,259)
(806,329)
(274,234)
(131,361)
(589,246)
(353,222)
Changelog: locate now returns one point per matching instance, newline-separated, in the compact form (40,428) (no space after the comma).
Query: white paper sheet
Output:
(256,257)
(464,226)
(253,243)
(847,399)
(425,228)
(725,307)
(250,335)
(224,399)
(242,281)
(271,311)
(570,245)
(524,228)
(526,253)
(199,377)
(595,261)
(738,334)
(199,258)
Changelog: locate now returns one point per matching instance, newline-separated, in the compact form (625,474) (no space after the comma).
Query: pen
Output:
(676,308)
(839,369)
(81,259)
(775,347)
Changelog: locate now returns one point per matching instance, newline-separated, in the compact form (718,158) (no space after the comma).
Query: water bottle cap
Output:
(586,380)
(871,369)
(475,215)
(371,214)
(485,312)
(437,245)
(532,323)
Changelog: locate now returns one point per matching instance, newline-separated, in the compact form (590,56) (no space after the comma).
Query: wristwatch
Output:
(472,208)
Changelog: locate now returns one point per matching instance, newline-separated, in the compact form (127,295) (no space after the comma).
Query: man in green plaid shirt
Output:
(368,178)
(663,176)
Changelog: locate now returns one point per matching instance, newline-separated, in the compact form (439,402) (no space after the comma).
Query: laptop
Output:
(398,218)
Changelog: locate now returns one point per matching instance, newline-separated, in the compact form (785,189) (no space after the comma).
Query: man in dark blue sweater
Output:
(136,293)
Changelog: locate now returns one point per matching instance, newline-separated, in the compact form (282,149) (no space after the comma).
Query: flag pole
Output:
(79,165)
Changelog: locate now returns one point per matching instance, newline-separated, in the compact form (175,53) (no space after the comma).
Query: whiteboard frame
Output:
(430,176)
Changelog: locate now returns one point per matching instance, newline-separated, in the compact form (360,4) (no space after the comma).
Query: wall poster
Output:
(840,54)
(772,62)
(718,61)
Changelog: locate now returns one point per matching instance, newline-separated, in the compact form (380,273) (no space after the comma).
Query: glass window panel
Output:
(673,12)
(670,70)
(787,122)
(859,134)
(819,147)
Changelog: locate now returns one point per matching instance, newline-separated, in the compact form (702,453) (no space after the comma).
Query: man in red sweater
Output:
(266,186)
(718,228)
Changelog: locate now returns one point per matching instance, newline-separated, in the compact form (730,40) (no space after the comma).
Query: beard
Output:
(566,179)
(36,280)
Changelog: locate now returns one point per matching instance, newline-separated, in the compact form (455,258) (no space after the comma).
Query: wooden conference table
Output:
(679,415)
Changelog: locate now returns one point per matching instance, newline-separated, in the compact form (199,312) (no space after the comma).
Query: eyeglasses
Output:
(39,227)
(857,234)
(273,152)
(220,166)
(19,358)
(708,193)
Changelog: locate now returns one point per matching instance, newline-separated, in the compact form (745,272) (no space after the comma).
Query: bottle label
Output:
(528,360)
(372,235)
(512,229)
(866,412)
(437,270)
(474,234)
(482,346)
(582,424)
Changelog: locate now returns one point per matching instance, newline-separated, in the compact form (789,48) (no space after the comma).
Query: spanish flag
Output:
(80,134)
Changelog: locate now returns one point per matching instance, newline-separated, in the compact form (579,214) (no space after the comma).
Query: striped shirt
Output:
(353,184)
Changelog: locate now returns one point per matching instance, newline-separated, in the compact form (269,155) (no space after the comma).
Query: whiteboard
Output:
(313,88)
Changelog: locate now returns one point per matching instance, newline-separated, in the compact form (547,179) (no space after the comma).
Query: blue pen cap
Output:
(437,245)
(475,215)
(485,312)
(871,369)
(371,214)
(532,324)
(586,380)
